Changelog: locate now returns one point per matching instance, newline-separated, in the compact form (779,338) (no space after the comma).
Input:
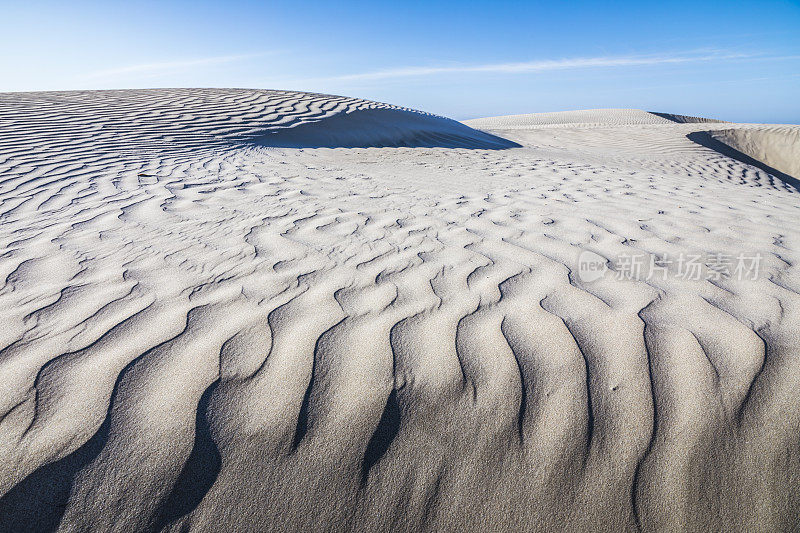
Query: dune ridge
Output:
(202,332)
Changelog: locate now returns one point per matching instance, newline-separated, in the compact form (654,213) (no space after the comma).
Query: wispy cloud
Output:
(539,66)
(155,68)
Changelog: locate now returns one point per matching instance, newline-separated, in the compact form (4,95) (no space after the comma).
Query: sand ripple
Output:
(201,332)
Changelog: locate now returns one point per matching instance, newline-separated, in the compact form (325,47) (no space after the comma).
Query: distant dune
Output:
(607,117)
(244,310)
(567,118)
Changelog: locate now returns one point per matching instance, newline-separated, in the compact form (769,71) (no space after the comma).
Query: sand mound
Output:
(382,128)
(201,332)
(776,149)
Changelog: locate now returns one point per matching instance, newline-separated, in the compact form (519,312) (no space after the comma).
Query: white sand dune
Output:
(203,331)
(776,147)
(585,117)
(589,117)
(190,119)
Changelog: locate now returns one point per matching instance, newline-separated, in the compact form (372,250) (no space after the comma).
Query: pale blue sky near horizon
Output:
(732,60)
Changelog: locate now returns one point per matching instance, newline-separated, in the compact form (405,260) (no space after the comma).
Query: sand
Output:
(210,323)
(777,148)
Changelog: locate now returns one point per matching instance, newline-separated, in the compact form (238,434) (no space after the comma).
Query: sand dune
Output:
(593,117)
(777,147)
(364,128)
(204,331)
(214,118)
(684,119)
(586,117)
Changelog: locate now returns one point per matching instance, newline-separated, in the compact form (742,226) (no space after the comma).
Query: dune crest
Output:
(202,332)
(213,118)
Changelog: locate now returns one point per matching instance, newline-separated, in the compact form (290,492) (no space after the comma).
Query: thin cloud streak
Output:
(154,68)
(535,66)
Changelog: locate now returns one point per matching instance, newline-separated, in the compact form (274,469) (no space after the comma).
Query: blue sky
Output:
(733,60)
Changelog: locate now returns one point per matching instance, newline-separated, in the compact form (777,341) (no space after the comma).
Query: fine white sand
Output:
(209,326)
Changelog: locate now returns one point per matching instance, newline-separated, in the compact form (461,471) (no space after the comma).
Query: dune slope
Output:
(379,127)
(202,332)
(776,147)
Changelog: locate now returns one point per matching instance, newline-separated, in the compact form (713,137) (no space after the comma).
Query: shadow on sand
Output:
(378,128)
(38,502)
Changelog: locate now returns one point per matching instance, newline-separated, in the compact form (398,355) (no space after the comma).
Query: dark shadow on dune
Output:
(388,427)
(705,139)
(686,119)
(374,128)
(38,502)
(198,474)
(302,417)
